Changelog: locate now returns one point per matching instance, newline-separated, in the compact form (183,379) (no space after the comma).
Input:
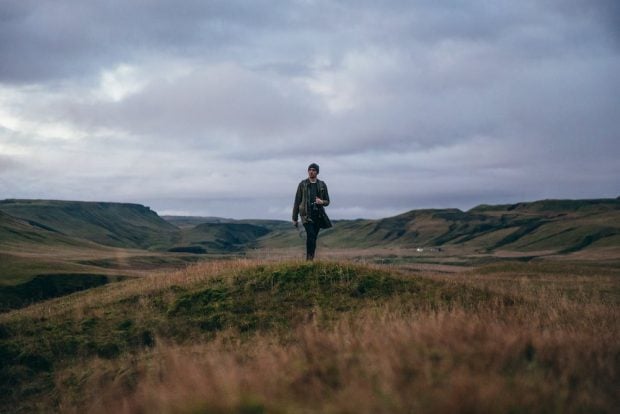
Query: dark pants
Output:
(312,232)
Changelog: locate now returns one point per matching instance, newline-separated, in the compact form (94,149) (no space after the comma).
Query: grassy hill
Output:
(232,337)
(111,224)
(560,226)
(29,249)
(123,225)
(54,248)
(226,237)
(15,231)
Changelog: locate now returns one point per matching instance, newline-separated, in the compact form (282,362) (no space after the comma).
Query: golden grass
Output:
(442,362)
(554,351)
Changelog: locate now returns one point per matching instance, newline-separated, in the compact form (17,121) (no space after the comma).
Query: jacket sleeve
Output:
(296,203)
(325,196)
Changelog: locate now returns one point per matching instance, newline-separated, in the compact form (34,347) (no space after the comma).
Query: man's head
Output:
(313,170)
(314,166)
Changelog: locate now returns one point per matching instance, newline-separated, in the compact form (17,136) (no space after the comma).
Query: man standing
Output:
(310,202)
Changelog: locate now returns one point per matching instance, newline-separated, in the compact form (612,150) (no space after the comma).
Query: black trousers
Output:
(312,232)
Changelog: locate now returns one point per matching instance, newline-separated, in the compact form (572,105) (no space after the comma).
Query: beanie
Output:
(315,166)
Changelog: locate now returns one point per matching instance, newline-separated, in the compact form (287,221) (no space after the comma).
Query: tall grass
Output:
(547,350)
(381,361)
(335,338)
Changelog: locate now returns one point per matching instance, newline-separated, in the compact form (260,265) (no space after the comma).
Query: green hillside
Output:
(219,237)
(29,249)
(186,222)
(15,231)
(112,224)
(562,226)
(52,250)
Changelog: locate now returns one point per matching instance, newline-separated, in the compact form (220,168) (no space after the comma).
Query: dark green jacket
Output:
(300,207)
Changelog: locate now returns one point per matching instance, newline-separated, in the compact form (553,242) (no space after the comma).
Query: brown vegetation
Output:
(554,346)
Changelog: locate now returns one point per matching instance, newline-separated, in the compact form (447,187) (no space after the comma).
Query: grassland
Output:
(516,312)
(542,228)
(277,337)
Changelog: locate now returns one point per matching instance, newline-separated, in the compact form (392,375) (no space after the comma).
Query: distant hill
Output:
(220,237)
(131,226)
(192,221)
(111,224)
(184,222)
(17,231)
(561,226)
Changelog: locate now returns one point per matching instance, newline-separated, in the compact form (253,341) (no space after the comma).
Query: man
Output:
(310,202)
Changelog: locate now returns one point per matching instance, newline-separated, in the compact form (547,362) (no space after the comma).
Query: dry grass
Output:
(555,350)
(444,362)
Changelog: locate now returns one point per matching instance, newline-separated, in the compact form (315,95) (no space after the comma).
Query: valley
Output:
(39,238)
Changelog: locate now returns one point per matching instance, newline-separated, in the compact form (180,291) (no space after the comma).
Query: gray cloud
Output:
(8,164)
(221,100)
(212,107)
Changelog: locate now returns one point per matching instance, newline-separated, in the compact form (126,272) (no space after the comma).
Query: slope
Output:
(16,232)
(562,226)
(112,224)
(28,249)
(226,237)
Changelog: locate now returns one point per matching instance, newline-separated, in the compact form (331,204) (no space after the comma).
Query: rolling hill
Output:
(29,249)
(17,231)
(220,237)
(111,224)
(559,226)
(50,248)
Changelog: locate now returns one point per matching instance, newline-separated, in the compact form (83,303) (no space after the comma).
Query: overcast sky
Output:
(217,107)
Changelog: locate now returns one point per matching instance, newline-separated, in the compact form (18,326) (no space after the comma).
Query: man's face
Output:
(312,173)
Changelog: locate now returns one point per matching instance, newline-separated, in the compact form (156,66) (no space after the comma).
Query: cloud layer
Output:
(216,108)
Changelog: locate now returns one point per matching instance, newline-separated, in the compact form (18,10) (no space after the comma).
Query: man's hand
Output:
(318,201)
(295,223)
